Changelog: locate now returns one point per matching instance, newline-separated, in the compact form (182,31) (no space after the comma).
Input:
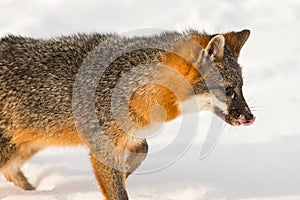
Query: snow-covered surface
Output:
(257,162)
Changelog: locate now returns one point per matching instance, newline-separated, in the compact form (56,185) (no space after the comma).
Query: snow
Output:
(260,162)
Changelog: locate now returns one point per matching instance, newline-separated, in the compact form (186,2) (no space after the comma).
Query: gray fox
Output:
(37,93)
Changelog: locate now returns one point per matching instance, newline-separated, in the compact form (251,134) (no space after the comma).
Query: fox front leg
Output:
(136,156)
(110,180)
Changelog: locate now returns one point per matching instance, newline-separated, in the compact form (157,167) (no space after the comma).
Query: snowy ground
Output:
(257,162)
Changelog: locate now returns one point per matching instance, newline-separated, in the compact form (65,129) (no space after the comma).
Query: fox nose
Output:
(249,117)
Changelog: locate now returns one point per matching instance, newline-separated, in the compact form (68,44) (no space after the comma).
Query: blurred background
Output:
(257,162)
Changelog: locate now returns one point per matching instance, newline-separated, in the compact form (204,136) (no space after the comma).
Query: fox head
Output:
(209,64)
(224,81)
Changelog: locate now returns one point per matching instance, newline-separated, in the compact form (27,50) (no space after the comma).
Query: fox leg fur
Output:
(11,169)
(110,180)
(116,165)
(137,155)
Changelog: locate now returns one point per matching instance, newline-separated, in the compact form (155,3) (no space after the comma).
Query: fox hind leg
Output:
(17,177)
(7,149)
(12,156)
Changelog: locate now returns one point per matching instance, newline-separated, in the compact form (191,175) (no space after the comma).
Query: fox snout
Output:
(236,117)
(240,114)
(235,113)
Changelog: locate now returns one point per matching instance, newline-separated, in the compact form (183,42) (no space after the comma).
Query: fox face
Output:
(224,82)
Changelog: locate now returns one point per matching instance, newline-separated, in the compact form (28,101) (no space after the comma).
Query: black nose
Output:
(249,117)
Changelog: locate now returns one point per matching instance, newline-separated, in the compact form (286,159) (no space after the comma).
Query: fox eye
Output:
(230,92)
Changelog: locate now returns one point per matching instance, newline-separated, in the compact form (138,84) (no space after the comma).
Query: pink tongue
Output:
(248,123)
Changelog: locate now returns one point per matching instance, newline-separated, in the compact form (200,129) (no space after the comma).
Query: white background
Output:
(257,162)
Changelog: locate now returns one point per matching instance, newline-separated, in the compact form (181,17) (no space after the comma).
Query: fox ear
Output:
(236,40)
(215,47)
